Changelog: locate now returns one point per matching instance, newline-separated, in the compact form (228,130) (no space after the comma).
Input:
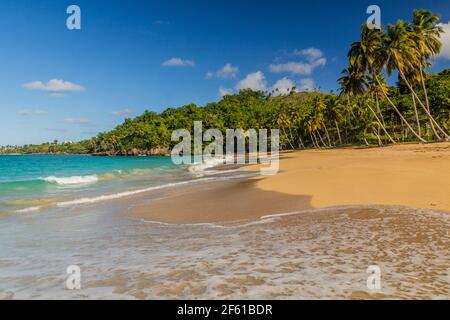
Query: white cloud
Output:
(226,72)
(255,81)
(121,113)
(224,91)
(54,86)
(311,54)
(178,62)
(301,68)
(307,84)
(314,58)
(282,87)
(319,62)
(292,67)
(78,121)
(445,38)
(28,112)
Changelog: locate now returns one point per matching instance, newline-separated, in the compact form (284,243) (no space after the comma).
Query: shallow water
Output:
(313,254)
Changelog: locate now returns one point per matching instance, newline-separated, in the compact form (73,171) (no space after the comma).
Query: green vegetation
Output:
(366,111)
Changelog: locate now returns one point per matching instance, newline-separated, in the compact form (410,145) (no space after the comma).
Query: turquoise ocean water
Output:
(35,182)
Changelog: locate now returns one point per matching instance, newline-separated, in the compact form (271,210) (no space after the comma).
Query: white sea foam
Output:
(124,194)
(119,195)
(74,180)
(204,167)
(205,164)
(29,209)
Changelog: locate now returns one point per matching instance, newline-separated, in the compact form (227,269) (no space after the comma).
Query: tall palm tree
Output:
(413,78)
(403,56)
(372,54)
(377,92)
(426,34)
(336,112)
(283,121)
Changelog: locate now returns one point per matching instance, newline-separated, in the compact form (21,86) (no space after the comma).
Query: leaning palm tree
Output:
(336,112)
(413,78)
(371,55)
(403,56)
(426,34)
(352,83)
(283,121)
(377,91)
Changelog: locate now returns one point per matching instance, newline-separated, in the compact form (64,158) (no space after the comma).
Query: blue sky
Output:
(131,56)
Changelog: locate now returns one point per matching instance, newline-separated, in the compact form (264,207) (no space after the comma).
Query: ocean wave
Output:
(74,180)
(203,167)
(119,195)
(89,200)
(29,209)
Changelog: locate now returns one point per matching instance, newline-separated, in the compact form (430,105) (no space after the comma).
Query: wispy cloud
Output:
(291,67)
(311,54)
(35,112)
(255,81)
(55,87)
(445,39)
(121,113)
(226,72)
(78,121)
(314,58)
(178,62)
(300,68)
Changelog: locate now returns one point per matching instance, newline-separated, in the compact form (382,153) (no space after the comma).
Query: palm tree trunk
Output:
(365,141)
(377,133)
(338,131)
(328,136)
(379,110)
(417,115)
(382,125)
(311,137)
(424,108)
(290,134)
(427,102)
(400,114)
(287,138)
(321,139)
(316,145)
(302,145)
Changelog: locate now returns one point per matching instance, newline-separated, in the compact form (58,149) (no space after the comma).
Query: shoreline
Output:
(410,175)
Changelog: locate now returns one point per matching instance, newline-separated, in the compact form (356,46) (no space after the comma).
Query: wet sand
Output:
(413,175)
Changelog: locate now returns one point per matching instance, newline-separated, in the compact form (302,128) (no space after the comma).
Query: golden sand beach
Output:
(416,175)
